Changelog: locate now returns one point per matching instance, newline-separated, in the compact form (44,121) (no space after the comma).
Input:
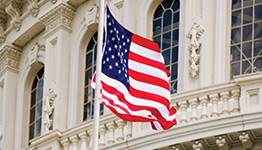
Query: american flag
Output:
(134,80)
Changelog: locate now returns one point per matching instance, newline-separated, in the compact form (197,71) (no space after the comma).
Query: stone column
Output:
(183,108)
(9,60)
(204,101)
(58,30)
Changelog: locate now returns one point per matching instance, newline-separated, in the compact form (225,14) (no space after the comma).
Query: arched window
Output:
(166,34)
(90,67)
(246,37)
(36,104)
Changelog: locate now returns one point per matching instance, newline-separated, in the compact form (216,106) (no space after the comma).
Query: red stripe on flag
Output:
(149,96)
(148,79)
(145,43)
(143,60)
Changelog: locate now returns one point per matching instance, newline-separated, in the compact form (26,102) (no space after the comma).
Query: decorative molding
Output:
(34,54)
(49,109)
(2,31)
(14,9)
(246,141)
(91,16)
(33,7)
(222,143)
(194,35)
(197,146)
(9,59)
(60,17)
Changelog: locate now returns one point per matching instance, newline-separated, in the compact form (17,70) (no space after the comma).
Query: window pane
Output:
(236,4)
(175,55)
(158,12)
(167,20)
(247,33)
(89,59)
(235,52)
(258,12)
(176,20)
(258,1)
(166,55)
(32,115)
(235,35)
(258,48)
(33,98)
(38,126)
(247,50)
(167,3)
(235,69)
(248,15)
(31,131)
(258,30)
(246,67)
(175,37)
(90,45)
(176,6)
(158,40)
(34,83)
(173,87)
(174,72)
(247,3)
(166,40)
(236,18)
(39,110)
(157,26)
(258,64)
(88,76)
(40,73)
(40,90)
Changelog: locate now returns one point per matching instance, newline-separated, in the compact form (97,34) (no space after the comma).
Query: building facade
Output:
(213,49)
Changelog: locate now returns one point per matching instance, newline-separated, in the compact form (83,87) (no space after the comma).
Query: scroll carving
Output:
(14,10)
(49,109)
(194,47)
(33,7)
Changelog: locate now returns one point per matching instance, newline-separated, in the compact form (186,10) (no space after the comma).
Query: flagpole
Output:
(98,75)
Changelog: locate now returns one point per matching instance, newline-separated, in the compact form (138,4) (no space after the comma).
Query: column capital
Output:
(58,18)
(9,58)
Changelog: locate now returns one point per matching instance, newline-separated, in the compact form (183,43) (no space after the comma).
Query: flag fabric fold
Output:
(134,81)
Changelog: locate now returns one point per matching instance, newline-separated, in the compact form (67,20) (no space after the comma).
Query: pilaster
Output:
(9,59)
(58,30)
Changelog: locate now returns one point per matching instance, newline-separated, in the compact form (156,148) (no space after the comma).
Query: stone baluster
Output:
(246,141)
(120,128)
(129,130)
(193,103)
(102,140)
(65,143)
(214,98)
(111,132)
(236,94)
(221,143)
(83,136)
(204,101)
(74,140)
(183,107)
(197,146)
(225,97)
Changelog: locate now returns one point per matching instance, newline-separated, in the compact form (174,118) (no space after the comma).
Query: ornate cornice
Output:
(9,59)
(33,7)
(60,17)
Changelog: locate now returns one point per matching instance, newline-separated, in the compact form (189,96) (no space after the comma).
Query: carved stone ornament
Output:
(9,58)
(59,17)
(33,7)
(34,55)
(53,1)
(222,143)
(49,109)
(246,141)
(91,16)
(14,10)
(194,47)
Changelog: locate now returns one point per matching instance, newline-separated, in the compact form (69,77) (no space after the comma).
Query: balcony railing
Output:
(212,102)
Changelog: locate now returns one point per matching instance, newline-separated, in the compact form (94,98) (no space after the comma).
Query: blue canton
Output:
(116,50)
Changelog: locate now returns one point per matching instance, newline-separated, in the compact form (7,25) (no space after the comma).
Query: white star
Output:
(113,39)
(127,40)
(104,62)
(118,54)
(123,36)
(108,16)
(125,75)
(125,50)
(120,46)
(116,64)
(107,59)
(111,31)
(110,49)
(113,56)
(109,23)
(125,60)
(117,31)
(124,43)
(115,46)
(110,67)
(119,71)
